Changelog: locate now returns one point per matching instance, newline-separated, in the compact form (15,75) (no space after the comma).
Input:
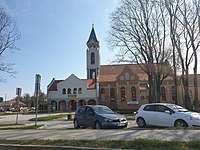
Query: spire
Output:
(92,35)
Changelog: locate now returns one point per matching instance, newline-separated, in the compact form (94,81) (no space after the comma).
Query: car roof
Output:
(92,106)
(165,104)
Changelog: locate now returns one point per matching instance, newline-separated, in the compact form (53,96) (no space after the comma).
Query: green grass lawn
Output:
(4,125)
(4,114)
(140,144)
(50,117)
(21,127)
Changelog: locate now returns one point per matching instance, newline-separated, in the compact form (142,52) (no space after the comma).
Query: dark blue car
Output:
(98,117)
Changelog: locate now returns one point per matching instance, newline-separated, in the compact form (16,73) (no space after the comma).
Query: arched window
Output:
(80,91)
(163,93)
(69,91)
(102,91)
(133,93)
(123,94)
(112,93)
(92,59)
(75,91)
(173,93)
(63,91)
(122,77)
(127,76)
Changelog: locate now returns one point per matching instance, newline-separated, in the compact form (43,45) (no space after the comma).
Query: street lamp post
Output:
(37,91)
(18,93)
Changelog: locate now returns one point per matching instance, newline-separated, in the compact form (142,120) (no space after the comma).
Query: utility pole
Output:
(37,92)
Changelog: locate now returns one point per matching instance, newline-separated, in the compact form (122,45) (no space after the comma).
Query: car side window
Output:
(89,111)
(161,108)
(81,110)
(150,108)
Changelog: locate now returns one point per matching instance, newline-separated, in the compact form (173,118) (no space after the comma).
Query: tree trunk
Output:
(196,101)
(188,102)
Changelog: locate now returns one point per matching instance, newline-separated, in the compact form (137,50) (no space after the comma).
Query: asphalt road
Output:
(63,129)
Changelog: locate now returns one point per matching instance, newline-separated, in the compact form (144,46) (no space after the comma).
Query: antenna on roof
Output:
(93,24)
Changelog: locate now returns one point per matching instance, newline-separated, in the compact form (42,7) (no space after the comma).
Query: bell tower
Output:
(92,54)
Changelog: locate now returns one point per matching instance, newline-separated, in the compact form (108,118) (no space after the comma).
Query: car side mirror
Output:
(168,112)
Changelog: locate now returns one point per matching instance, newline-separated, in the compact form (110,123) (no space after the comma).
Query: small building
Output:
(11,105)
(69,94)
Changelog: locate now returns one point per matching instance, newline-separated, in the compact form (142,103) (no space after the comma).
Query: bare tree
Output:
(190,21)
(172,10)
(8,36)
(185,31)
(138,28)
(42,102)
(27,99)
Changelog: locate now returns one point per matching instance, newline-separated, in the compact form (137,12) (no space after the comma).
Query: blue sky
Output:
(53,42)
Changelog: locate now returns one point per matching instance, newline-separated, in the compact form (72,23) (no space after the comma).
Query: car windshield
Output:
(103,110)
(178,108)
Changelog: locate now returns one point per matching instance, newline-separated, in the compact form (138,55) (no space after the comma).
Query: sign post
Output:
(18,93)
(37,92)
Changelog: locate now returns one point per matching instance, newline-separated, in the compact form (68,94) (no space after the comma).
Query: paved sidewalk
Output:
(90,134)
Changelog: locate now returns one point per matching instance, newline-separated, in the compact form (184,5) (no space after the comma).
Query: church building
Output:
(118,86)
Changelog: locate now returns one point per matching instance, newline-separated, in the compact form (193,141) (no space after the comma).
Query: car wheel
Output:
(76,124)
(98,125)
(141,122)
(180,123)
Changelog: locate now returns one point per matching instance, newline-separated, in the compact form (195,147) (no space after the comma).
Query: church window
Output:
(69,91)
(92,59)
(64,91)
(127,76)
(173,93)
(133,93)
(163,93)
(112,93)
(123,93)
(102,91)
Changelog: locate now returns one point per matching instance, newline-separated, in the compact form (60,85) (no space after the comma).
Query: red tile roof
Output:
(91,83)
(109,73)
(53,86)
(20,104)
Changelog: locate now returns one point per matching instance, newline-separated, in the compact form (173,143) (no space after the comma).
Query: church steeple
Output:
(92,38)
(93,57)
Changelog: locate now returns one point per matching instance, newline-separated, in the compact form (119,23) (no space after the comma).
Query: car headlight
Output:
(107,120)
(196,118)
(189,117)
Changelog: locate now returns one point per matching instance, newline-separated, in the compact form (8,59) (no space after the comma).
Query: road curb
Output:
(47,147)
